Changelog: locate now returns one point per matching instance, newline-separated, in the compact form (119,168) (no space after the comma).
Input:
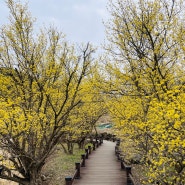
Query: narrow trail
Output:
(102,168)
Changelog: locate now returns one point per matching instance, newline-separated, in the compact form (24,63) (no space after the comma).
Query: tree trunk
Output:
(81,143)
(35,177)
(70,146)
(64,148)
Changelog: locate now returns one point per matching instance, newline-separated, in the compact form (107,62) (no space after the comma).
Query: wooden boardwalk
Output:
(102,168)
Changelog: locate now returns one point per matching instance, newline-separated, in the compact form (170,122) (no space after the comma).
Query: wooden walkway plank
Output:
(102,168)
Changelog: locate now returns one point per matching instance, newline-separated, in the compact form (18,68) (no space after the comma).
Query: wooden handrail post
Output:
(97,144)
(118,142)
(128,172)
(87,153)
(122,163)
(78,170)
(116,149)
(68,180)
(119,155)
(94,145)
(101,140)
(83,160)
(89,148)
(1,168)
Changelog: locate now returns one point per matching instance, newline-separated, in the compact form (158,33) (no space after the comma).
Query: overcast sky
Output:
(80,20)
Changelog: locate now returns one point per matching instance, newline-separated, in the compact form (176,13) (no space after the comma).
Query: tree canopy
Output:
(147,85)
(41,79)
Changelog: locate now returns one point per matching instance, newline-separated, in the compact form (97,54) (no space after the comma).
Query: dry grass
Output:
(61,165)
(57,167)
(5,182)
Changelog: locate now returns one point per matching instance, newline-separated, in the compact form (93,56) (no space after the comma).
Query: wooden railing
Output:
(124,166)
(95,144)
(70,179)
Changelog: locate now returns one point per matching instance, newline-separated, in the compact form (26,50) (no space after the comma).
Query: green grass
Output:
(60,165)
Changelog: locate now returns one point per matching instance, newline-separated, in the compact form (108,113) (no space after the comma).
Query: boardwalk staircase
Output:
(100,166)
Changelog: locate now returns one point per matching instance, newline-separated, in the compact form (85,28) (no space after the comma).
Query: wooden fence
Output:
(130,178)
(95,144)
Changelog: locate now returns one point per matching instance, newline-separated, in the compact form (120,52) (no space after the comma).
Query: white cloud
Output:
(80,20)
(80,7)
(102,12)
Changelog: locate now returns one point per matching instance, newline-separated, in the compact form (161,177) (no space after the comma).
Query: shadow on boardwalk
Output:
(102,168)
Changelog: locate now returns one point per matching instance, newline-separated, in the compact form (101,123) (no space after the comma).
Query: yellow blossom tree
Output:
(83,119)
(41,77)
(146,87)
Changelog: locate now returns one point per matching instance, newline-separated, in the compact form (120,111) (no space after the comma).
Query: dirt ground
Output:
(5,182)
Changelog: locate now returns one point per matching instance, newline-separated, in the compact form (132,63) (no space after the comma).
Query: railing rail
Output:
(130,178)
(70,179)
(95,144)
